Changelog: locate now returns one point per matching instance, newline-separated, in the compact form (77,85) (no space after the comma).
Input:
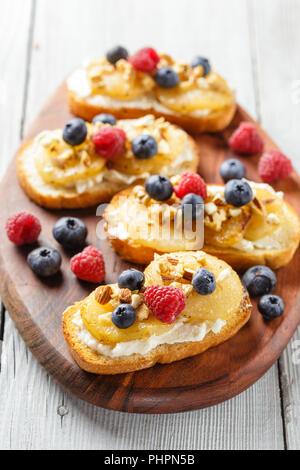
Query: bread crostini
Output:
(189,94)
(85,164)
(264,230)
(117,330)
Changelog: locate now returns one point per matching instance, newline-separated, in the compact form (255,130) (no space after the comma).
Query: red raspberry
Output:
(191,183)
(246,139)
(273,165)
(145,60)
(89,265)
(109,141)
(23,228)
(166,303)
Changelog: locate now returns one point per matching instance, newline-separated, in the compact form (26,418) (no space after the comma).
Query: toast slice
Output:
(205,322)
(265,231)
(45,173)
(199,103)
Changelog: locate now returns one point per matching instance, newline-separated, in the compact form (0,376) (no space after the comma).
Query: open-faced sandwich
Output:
(191,95)
(182,305)
(85,164)
(245,223)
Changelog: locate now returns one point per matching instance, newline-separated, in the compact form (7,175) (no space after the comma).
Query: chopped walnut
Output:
(142,312)
(125,296)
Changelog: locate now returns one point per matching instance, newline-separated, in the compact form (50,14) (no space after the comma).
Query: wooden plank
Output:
(276,39)
(251,420)
(14,35)
(276,35)
(40,415)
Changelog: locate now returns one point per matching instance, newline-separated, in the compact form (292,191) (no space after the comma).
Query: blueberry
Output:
(159,187)
(131,279)
(166,77)
(44,261)
(232,169)
(75,131)
(238,193)
(259,280)
(123,316)
(116,53)
(70,232)
(204,282)
(105,118)
(271,306)
(192,204)
(144,146)
(198,60)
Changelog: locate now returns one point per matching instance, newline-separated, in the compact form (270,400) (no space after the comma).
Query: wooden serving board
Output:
(36,306)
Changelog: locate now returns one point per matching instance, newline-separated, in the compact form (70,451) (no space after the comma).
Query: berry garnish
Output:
(144,146)
(75,132)
(116,53)
(259,280)
(165,303)
(192,206)
(145,60)
(191,183)
(271,306)
(89,265)
(204,282)
(23,228)
(273,165)
(246,139)
(198,60)
(70,232)
(123,316)
(105,118)
(232,169)
(109,142)
(166,77)
(44,261)
(159,187)
(131,279)
(238,193)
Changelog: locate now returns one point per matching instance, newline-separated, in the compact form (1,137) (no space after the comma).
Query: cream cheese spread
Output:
(180,333)
(113,176)
(79,84)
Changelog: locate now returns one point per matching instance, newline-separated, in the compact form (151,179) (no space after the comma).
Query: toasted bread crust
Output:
(70,199)
(214,122)
(96,363)
(240,260)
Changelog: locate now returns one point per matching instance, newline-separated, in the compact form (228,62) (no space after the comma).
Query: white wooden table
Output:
(255,45)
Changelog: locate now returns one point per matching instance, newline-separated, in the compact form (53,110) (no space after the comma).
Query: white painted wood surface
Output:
(254,44)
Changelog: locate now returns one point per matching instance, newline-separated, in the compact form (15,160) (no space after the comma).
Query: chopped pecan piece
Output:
(173,261)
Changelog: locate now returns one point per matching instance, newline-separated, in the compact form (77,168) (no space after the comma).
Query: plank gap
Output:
(281,392)
(28,64)
(2,321)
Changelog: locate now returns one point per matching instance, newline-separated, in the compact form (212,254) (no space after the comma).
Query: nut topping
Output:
(125,296)
(103,294)
(142,312)
(173,261)
(188,274)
